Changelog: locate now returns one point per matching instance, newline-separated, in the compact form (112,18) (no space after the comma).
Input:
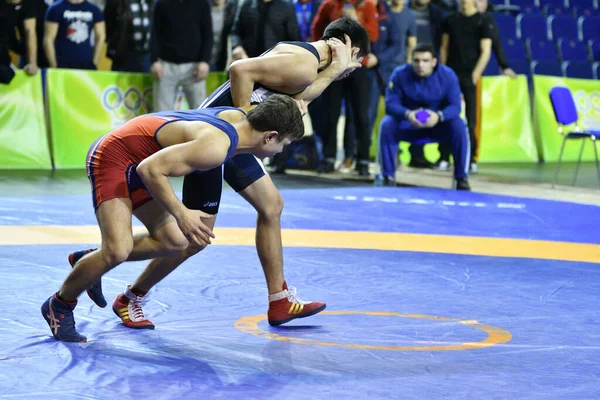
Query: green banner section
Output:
(84,105)
(23,139)
(587,99)
(506,128)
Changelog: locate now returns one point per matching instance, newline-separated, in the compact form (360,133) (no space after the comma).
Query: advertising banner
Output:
(84,105)
(23,138)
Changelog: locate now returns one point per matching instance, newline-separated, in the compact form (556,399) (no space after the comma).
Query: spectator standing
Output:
(497,47)
(222,14)
(74,34)
(260,25)
(466,48)
(128,34)
(31,32)
(355,89)
(180,50)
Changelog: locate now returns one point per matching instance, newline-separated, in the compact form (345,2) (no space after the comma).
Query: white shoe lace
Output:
(293,298)
(136,313)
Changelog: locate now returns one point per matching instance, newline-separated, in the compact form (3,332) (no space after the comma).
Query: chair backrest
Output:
(577,69)
(514,48)
(532,26)
(589,28)
(551,68)
(572,50)
(562,26)
(507,25)
(563,104)
(542,50)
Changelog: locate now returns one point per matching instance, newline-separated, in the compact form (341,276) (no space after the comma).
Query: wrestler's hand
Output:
(192,227)
(302,106)
(238,53)
(343,57)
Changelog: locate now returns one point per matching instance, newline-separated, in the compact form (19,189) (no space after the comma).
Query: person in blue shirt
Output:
(74,34)
(422,102)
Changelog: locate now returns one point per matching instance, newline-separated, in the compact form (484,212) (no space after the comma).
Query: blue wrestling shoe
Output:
(59,316)
(95,291)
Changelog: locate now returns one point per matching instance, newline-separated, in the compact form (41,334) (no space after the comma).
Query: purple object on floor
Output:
(422,116)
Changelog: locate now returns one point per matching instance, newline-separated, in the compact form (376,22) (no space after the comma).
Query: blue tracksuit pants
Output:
(453,131)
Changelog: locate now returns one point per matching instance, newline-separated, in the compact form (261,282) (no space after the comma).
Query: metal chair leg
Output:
(562,148)
(597,164)
(578,162)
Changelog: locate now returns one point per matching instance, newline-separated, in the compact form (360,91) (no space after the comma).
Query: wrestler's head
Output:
(278,120)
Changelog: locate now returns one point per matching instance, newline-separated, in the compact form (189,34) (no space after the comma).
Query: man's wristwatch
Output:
(441,115)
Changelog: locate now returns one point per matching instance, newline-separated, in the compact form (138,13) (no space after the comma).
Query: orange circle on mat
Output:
(495,335)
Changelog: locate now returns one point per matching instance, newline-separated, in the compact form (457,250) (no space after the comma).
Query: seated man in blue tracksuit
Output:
(422,101)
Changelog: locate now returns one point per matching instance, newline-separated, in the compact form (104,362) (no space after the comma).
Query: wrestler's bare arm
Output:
(281,71)
(324,79)
(203,154)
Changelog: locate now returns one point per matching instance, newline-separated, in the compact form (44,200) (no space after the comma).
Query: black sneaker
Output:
(363,169)
(94,291)
(462,184)
(326,167)
(59,316)
(420,162)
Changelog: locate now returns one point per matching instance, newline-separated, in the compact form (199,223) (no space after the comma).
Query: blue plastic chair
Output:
(532,26)
(521,67)
(542,50)
(562,27)
(514,49)
(550,68)
(565,112)
(572,50)
(507,25)
(577,69)
(589,28)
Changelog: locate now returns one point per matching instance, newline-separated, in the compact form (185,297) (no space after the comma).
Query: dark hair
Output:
(357,33)
(424,48)
(278,113)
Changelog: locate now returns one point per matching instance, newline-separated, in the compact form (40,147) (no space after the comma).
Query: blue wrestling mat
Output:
(431,294)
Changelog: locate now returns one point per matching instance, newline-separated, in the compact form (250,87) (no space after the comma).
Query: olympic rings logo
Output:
(125,105)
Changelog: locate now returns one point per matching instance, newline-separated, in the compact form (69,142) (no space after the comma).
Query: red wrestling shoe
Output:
(285,306)
(128,307)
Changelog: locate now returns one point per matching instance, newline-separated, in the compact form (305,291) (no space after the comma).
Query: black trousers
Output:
(358,85)
(469,91)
